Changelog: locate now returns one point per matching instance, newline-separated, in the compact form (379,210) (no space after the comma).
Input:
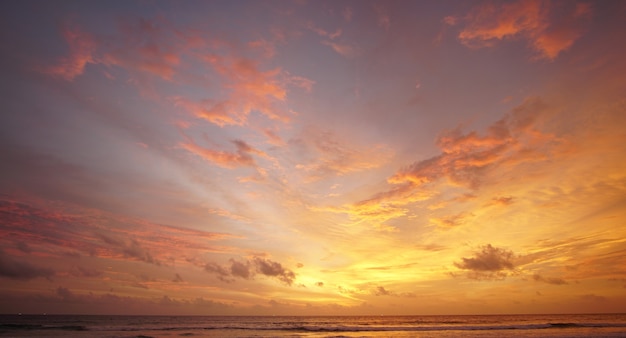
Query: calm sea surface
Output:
(592,325)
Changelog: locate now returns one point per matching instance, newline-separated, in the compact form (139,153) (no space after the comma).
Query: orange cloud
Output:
(466,161)
(241,158)
(465,158)
(82,48)
(334,157)
(549,28)
(250,90)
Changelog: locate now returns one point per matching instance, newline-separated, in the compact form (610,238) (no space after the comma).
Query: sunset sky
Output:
(312,157)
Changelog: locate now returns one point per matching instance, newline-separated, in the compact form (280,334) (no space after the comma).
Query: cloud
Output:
(450,221)
(154,47)
(345,50)
(502,200)
(549,280)
(466,160)
(177,278)
(247,269)
(130,249)
(147,46)
(250,89)
(466,157)
(96,233)
(347,14)
(64,298)
(382,17)
(381,291)
(23,247)
(274,269)
(489,258)
(14,269)
(590,297)
(334,157)
(549,27)
(241,158)
(302,82)
(240,269)
(322,32)
(488,264)
(82,48)
(79,271)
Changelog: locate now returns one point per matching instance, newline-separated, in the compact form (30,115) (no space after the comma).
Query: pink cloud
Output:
(549,28)
(147,46)
(333,156)
(382,17)
(82,48)
(322,32)
(249,89)
(345,50)
(55,231)
(240,158)
(302,82)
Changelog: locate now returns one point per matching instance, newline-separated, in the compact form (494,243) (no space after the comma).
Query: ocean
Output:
(578,325)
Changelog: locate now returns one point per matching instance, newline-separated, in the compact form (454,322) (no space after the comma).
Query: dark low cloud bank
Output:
(14,269)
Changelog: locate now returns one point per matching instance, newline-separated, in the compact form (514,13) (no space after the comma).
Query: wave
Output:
(29,327)
(342,328)
(311,327)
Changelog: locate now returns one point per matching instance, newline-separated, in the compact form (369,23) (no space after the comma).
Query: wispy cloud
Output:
(549,27)
(344,49)
(15,269)
(82,47)
(241,157)
(333,156)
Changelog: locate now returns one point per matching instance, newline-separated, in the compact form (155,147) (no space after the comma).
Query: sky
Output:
(312,157)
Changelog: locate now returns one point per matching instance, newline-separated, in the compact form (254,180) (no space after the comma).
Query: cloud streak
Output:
(15,269)
(549,27)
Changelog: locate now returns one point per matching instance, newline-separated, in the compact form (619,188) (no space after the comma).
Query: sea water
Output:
(579,325)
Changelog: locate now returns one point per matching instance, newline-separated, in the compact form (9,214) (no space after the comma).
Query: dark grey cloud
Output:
(79,271)
(249,268)
(489,258)
(219,271)
(23,247)
(130,249)
(240,269)
(177,278)
(14,269)
(381,291)
(549,280)
(274,269)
